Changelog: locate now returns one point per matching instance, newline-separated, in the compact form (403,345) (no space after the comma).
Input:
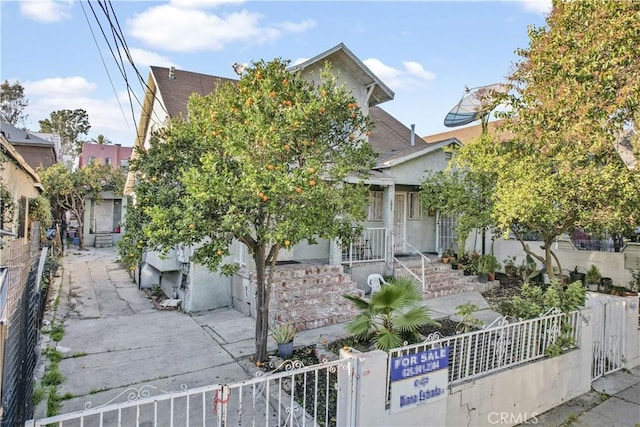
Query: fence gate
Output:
(608,337)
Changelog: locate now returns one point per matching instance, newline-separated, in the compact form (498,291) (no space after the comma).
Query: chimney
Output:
(413,135)
(172,74)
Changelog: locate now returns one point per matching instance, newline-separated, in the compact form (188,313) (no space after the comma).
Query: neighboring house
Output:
(105,154)
(103,220)
(570,250)
(403,160)
(37,149)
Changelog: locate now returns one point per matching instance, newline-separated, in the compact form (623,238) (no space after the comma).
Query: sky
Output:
(427,52)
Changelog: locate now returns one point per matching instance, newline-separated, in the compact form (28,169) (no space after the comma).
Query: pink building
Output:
(105,154)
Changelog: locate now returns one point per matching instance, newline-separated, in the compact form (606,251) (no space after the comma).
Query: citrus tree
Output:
(69,190)
(573,96)
(264,161)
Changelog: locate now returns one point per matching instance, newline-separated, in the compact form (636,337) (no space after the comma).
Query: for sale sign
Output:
(419,378)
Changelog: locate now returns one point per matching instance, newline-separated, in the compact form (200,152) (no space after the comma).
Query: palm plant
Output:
(392,316)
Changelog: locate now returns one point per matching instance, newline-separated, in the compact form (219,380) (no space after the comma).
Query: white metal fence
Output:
(290,395)
(370,246)
(503,346)
(609,328)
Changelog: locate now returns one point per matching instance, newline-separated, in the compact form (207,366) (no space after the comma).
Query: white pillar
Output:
(387,216)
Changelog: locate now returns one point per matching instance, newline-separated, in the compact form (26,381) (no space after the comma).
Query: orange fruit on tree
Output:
(272,94)
(322,109)
(312,182)
(219,252)
(287,147)
(271,167)
(312,170)
(287,242)
(192,226)
(298,190)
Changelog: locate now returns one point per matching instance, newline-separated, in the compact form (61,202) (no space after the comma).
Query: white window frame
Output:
(415,209)
(376,202)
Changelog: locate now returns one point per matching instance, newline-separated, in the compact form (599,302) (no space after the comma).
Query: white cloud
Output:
(46,11)
(179,29)
(202,4)
(541,7)
(298,27)
(69,93)
(144,58)
(413,75)
(60,87)
(416,69)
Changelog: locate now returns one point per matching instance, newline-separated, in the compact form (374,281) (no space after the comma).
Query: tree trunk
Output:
(262,304)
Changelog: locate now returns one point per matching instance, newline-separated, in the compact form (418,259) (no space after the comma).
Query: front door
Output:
(400,223)
(446,233)
(104,216)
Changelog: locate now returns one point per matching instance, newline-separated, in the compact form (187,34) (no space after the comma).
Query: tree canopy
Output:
(574,93)
(12,103)
(464,195)
(263,161)
(70,125)
(69,190)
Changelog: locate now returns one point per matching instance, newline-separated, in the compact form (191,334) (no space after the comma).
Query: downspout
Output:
(413,135)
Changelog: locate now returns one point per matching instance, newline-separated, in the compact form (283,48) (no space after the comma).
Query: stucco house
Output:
(38,149)
(396,222)
(104,220)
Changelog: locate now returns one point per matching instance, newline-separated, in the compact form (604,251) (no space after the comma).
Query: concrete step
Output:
(103,241)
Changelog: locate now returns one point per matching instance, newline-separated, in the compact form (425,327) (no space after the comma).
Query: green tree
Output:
(69,190)
(573,93)
(464,195)
(70,125)
(12,103)
(101,139)
(263,161)
(393,315)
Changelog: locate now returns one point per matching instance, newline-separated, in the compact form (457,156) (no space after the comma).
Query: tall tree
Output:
(263,162)
(101,139)
(12,103)
(463,195)
(70,125)
(574,92)
(69,190)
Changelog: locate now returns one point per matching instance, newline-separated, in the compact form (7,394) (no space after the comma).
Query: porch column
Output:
(335,252)
(387,216)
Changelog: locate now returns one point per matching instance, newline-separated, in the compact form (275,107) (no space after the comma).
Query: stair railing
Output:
(424,260)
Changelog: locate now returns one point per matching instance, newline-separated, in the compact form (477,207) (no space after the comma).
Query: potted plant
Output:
(593,277)
(486,265)
(283,335)
(576,275)
(446,257)
(510,266)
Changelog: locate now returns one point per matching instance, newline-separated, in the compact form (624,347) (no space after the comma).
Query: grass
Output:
(57,332)
(53,376)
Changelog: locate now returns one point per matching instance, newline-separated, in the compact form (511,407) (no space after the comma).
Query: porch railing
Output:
(503,346)
(370,246)
(424,260)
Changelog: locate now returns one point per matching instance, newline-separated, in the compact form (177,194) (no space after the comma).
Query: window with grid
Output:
(415,210)
(375,205)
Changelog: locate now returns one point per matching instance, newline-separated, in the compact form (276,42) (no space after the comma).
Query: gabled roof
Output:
(8,149)
(391,140)
(381,92)
(19,136)
(176,86)
(463,134)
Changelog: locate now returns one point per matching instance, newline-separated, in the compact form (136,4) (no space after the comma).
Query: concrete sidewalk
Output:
(614,401)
